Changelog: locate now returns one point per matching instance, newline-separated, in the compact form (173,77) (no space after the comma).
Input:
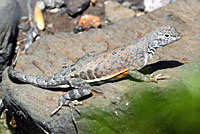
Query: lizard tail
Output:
(51,82)
(39,82)
(33,80)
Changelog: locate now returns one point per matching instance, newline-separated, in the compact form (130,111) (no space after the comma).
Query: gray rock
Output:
(115,11)
(9,18)
(23,5)
(151,5)
(75,7)
(54,3)
(132,4)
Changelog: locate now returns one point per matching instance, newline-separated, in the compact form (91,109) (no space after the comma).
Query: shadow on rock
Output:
(160,65)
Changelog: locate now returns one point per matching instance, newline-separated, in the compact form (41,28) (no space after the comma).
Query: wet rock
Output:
(9,18)
(75,7)
(115,11)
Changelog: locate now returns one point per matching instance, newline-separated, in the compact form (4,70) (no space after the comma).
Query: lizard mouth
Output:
(178,37)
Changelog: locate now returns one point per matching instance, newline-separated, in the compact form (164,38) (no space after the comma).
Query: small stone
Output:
(114,11)
(54,3)
(87,21)
(39,18)
(74,7)
(115,100)
(41,5)
(93,1)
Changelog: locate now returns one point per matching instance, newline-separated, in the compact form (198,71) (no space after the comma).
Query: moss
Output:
(151,109)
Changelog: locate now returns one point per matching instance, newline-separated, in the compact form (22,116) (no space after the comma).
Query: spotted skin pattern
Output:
(102,66)
(109,64)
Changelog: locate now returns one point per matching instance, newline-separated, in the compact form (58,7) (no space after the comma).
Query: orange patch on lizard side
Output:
(121,75)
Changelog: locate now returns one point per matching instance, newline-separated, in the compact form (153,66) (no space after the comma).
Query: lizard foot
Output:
(97,90)
(155,78)
(70,104)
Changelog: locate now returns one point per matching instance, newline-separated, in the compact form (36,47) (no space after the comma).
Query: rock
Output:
(47,3)
(23,6)
(88,21)
(132,4)
(54,3)
(114,11)
(9,18)
(117,110)
(75,7)
(151,5)
(93,1)
(38,17)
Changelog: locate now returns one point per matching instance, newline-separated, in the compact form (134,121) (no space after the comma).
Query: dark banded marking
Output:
(119,68)
(104,56)
(112,70)
(98,73)
(90,74)
(151,50)
(83,75)
(73,69)
(122,49)
(76,76)
(71,95)
(108,71)
(114,52)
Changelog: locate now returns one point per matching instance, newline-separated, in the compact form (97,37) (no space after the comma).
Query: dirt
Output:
(66,23)
(56,22)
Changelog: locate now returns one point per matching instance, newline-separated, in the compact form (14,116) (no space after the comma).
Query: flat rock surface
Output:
(115,11)
(31,106)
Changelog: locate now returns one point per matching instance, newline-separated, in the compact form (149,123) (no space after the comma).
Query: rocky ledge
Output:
(30,106)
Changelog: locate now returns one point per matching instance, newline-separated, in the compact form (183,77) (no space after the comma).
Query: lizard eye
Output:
(166,35)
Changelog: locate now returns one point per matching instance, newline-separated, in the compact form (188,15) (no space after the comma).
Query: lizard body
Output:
(102,66)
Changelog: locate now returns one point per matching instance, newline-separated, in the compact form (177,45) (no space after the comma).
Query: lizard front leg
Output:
(147,78)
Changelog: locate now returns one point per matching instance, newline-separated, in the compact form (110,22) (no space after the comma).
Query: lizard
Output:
(94,67)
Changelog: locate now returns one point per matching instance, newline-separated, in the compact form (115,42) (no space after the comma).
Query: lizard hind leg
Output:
(81,89)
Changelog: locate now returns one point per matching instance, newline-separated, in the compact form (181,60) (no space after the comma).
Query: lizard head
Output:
(163,36)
